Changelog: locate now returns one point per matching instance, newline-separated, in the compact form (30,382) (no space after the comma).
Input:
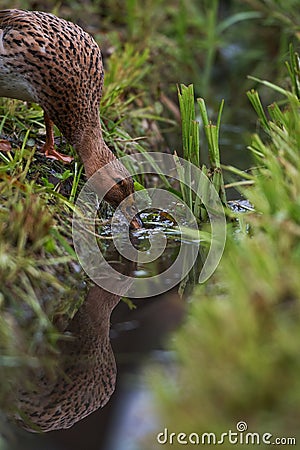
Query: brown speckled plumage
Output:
(58,65)
(85,376)
(53,62)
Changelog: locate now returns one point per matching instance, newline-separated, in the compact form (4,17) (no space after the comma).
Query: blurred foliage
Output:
(237,356)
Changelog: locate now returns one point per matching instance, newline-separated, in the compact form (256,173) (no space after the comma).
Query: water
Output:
(131,337)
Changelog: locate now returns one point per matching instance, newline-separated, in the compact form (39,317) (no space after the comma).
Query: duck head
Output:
(117,185)
(122,189)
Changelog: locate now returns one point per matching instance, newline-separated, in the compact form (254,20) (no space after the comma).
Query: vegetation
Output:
(235,355)
(192,150)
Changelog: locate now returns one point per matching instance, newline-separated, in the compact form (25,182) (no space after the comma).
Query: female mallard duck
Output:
(53,62)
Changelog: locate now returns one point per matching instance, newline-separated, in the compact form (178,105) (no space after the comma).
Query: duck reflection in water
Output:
(86,373)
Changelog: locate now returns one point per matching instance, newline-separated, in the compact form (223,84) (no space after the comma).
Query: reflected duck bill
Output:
(136,223)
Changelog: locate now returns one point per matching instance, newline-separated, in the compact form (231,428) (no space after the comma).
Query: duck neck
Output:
(92,149)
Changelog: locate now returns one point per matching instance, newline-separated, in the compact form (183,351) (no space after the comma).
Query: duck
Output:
(53,62)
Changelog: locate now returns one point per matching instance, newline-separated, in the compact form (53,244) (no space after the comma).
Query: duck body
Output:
(55,63)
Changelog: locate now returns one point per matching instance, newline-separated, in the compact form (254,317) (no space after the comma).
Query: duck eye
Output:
(119,181)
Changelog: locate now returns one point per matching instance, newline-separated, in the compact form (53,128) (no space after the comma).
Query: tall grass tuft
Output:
(192,149)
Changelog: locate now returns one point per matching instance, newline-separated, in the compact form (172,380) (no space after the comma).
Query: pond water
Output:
(110,345)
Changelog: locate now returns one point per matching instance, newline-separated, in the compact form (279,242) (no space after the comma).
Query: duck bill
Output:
(133,217)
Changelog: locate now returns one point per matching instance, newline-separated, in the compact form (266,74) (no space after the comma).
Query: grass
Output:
(237,354)
(192,151)
(37,276)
